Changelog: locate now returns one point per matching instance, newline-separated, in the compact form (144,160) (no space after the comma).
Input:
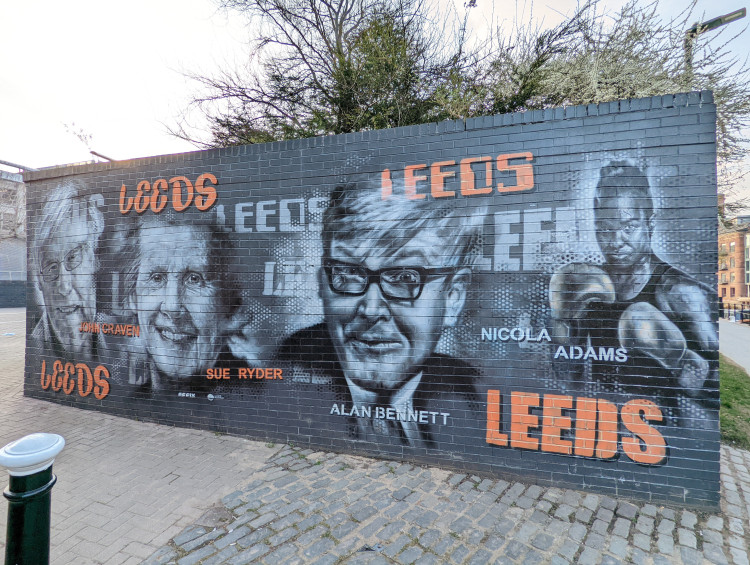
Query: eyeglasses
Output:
(72,260)
(396,283)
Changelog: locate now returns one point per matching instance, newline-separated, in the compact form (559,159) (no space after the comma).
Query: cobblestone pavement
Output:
(313,507)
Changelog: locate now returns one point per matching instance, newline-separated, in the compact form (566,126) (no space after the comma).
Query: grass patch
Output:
(734,416)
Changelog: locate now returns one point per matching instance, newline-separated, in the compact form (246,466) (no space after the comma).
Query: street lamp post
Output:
(702,27)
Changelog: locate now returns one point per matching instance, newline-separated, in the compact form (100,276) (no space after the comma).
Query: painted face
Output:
(381,340)
(177,301)
(68,283)
(623,231)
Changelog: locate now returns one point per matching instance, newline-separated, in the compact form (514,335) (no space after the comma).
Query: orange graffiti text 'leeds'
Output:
(587,427)
(69,377)
(178,192)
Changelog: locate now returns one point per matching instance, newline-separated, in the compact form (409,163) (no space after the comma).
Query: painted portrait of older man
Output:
(64,266)
(393,277)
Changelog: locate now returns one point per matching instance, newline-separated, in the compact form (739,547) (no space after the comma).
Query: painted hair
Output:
(620,178)
(65,204)
(220,257)
(359,212)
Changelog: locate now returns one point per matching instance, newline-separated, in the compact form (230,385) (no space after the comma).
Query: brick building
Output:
(732,271)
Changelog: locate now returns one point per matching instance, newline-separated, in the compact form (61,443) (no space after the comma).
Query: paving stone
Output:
(619,546)
(461,524)
(591,501)
(427,559)
(595,541)
(626,510)
(577,531)
(459,554)
(189,534)
(411,555)
(665,544)
(668,513)
(311,535)
(690,556)
(318,548)
(608,503)
(282,554)
(232,537)
(202,540)
(735,526)
(390,530)
(254,537)
(589,556)
(533,557)
(584,515)
(622,527)
(714,537)
(282,536)
(714,554)
(564,511)
(645,525)
(739,557)
(395,547)
(569,549)
(688,520)
(686,538)
(605,515)
(526,532)
(715,523)
(443,545)
(642,541)
(197,556)
(543,541)
(515,550)
(222,557)
(600,527)
(251,554)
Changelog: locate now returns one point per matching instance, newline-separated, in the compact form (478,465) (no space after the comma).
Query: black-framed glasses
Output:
(395,283)
(71,261)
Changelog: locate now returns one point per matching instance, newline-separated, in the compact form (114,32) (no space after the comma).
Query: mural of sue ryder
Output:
(523,295)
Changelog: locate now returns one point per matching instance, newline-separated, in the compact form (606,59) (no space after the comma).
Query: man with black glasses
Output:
(394,276)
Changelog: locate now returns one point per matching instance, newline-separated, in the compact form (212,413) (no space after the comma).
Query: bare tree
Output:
(330,66)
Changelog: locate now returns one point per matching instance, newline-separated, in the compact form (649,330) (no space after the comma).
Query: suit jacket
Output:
(318,400)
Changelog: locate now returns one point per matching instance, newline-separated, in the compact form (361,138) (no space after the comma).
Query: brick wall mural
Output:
(526,295)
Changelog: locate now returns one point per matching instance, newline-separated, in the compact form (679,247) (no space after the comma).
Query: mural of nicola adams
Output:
(647,310)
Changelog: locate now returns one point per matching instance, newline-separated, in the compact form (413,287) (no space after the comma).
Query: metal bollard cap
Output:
(31,453)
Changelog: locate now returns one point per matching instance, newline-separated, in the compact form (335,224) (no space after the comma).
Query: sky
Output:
(114,72)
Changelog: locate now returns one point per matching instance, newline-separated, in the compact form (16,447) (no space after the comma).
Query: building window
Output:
(731,263)
(723,247)
(731,291)
(724,292)
(731,247)
(723,277)
(732,278)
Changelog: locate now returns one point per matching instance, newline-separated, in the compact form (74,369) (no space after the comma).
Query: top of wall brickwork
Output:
(680,100)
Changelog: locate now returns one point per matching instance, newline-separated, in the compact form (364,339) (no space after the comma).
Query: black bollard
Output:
(29,462)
